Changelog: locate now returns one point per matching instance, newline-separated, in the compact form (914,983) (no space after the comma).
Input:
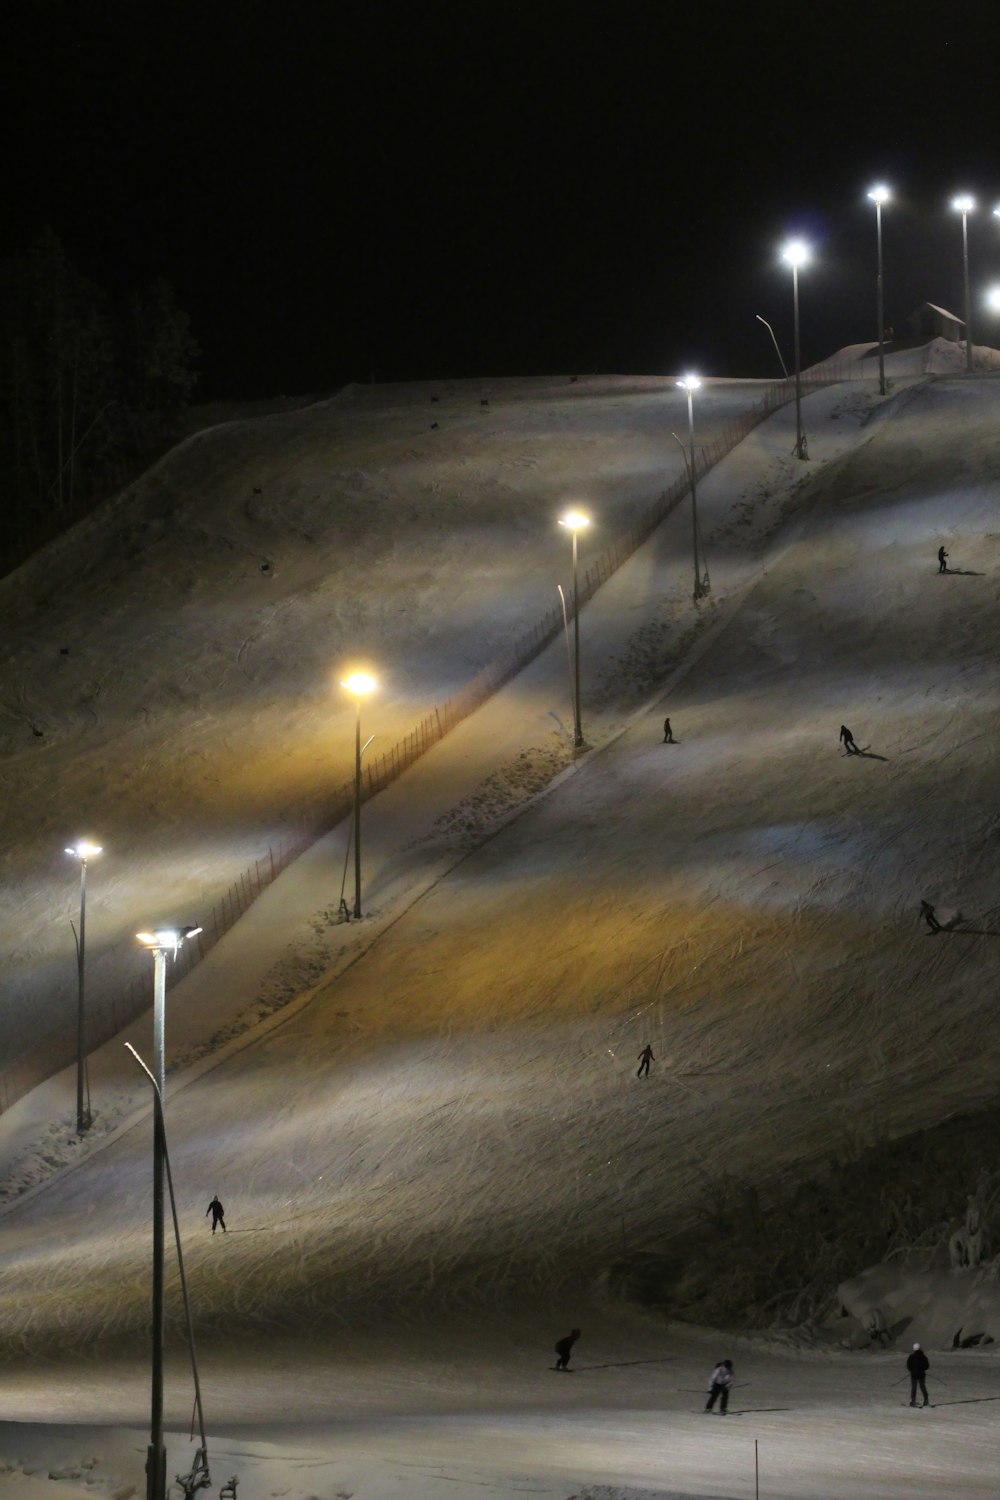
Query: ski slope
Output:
(432,1153)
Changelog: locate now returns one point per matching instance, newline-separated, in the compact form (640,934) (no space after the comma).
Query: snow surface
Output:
(432,1150)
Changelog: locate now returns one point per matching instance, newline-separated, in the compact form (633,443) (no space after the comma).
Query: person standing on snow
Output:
(668,733)
(564,1348)
(848,739)
(918,1364)
(217,1211)
(930,916)
(645,1058)
(942,560)
(720,1381)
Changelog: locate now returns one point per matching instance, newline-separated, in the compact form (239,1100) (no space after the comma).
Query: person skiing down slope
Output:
(848,739)
(918,1364)
(720,1381)
(564,1348)
(644,1059)
(217,1211)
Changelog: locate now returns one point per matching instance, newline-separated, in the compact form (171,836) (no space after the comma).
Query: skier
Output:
(848,739)
(645,1058)
(918,1364)
(668,733)
(564,1348)
(930,916)
(721,1380)
(217,1211)
(942,560)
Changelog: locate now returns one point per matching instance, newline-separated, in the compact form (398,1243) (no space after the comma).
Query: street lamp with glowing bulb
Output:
(879,195)
(82,851)
(359,685)
(690,384)
(964,204)
(574,522)
(796,254)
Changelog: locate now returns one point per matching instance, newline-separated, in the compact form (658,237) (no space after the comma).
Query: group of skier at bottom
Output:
(721,1379)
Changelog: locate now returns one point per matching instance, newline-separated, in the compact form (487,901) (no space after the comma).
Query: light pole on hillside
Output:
(690,384)
(575,521)
(880,195)
(164,941)
(964,204)
(82,851)
(796,254)
(359,685)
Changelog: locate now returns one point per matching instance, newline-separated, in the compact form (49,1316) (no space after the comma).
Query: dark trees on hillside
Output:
(88,393)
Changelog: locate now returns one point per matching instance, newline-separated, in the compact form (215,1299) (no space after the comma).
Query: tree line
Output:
(90,391)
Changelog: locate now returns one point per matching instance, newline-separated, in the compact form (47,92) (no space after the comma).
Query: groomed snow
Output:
(429,1157)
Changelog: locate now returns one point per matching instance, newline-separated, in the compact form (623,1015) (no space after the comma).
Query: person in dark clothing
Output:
(645,1058)
(930,916)
(668,733)
(918,1364)
(564,1348)
(216,1210)
(942,560)
(721,1380)
(848,739)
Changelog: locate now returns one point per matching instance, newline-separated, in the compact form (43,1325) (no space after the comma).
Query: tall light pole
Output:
(796,254)
(82,850)
(690,384)
(774,341)
(164,941)
(964,204)
(575,521)
(359,685)
(880,195)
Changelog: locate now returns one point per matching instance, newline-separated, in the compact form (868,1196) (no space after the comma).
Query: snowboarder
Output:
(668,733)
(564,1348)
(720,1381)
(918,1364)
(930,916)
(217,1211)
(848,739)
(645,1058)
(942,560)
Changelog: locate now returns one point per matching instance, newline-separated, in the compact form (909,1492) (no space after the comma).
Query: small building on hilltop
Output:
(929,321)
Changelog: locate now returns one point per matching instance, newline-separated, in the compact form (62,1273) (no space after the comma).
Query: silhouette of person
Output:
(719,1382)
(942,560)
(668,733)
(918,1364)
(216,1210)
(645,1058)
(930,916)
(848,739)
(564,1348)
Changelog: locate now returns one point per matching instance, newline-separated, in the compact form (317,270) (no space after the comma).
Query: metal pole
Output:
(694,497)
(577,727)
(881,310)
(800,437)
(781,358)
(156,1454)
(357,809)
(968,305)
(82,1112)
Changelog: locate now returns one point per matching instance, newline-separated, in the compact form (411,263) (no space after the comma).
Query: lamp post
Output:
(575,521)
(880,195)
(359,684)
(796,254)
(160,943)
(82,850)
(964,204)
(690,384)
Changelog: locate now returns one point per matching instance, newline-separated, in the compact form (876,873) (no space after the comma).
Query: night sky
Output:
(371,190)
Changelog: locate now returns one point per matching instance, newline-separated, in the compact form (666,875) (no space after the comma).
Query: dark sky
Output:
(443,188)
